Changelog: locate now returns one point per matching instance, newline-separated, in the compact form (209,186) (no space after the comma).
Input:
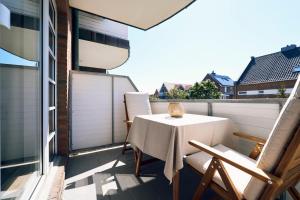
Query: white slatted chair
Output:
(235,176)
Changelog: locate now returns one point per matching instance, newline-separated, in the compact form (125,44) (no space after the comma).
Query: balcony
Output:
(104,173)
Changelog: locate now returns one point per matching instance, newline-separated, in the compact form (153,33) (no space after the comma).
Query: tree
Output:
(204,90)
(176,93)
(281,92)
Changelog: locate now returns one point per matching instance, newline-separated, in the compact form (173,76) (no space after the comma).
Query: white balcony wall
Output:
(18,118)
(253,118)
(101,25)
(121,85)
(256,118)
(200,108)
(97,109)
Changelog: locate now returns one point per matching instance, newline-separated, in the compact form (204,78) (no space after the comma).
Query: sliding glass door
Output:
(20,97)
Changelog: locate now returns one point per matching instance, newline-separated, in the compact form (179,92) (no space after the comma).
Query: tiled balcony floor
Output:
(110,175)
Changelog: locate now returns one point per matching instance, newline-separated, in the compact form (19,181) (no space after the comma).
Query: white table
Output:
(166,138)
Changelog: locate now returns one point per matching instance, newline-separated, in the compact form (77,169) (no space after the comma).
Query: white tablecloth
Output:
(166,138)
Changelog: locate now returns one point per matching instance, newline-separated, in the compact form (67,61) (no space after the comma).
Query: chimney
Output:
(288,48)
(213,72)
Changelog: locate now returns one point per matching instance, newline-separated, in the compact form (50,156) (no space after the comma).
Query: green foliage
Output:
(204,90)
(176,93)
(281,92)
(153,97)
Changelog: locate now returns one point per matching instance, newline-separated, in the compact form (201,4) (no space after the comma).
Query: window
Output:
(51,68)
(52,81)
(260,92)
(242,92)
(51,149)
(21,97)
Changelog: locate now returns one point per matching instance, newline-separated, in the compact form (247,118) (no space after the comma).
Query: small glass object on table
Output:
(175,109)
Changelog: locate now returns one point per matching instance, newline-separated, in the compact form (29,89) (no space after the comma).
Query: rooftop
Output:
(279,66)
(222,79)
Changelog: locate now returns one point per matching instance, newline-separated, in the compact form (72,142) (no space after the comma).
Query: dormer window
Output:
(296,69)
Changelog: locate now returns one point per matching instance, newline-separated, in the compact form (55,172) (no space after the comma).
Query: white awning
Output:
(143,14)
(97,55)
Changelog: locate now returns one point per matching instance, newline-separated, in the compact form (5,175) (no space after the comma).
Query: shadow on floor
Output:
(110,175)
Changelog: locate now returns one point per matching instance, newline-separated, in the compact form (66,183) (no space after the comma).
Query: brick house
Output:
(166,87)
(224,83)
(265,74)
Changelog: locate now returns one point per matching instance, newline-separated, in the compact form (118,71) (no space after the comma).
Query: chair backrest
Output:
(137,103)
(284,128)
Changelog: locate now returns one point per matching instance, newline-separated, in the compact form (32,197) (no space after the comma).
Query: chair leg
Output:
(125,143)
(138,162)
(176,186)
(294,193)
(206,179)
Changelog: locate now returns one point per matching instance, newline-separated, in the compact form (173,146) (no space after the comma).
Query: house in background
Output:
(223,82)
(166,87)
(265,74)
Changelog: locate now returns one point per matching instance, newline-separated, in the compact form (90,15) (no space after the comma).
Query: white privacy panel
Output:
(91,98)
(253,118)
(121,85)
(97,109)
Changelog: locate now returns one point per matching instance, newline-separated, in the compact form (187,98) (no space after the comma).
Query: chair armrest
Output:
(127,122)
(252,170)
(250,137)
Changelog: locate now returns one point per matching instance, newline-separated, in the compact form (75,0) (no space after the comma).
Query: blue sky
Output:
(218,35)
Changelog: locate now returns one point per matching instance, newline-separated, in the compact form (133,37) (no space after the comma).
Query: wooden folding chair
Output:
(235,176)
(136,103)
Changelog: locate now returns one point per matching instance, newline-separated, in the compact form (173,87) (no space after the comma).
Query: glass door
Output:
(20,97)
(52,80)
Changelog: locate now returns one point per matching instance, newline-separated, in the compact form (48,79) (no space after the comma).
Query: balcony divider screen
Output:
(97,112)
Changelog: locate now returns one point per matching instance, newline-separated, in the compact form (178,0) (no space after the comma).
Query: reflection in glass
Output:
(51,95)
(52,41)
(51,149)
(51,121)
(20,99)
(51,68)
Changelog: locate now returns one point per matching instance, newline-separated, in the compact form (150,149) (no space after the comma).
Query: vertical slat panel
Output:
(91,110)
(253,118)
(121,85)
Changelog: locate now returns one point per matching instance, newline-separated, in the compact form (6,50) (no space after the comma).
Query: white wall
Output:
(200,108)
(253,118)
(121,85)
(97,109)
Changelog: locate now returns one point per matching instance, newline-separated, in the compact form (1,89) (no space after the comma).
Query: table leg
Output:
(138,162)
(176,182)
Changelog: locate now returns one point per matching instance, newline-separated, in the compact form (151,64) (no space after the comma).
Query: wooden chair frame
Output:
(258,146)
(285,176)
(128,125)
(138,154)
